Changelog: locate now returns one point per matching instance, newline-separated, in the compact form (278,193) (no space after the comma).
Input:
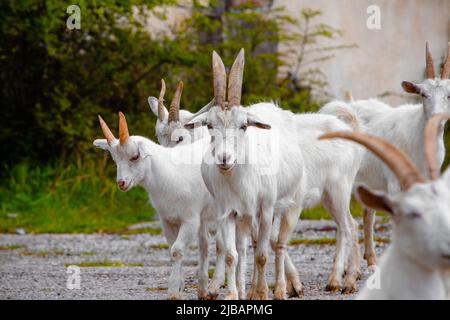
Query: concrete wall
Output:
(384,57)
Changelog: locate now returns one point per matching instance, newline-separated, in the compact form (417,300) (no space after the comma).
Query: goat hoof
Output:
(175,296)
(279,293)
(232,296)
(348,290)
(212,295)
(296,292)
(262,295)
(333,288)
(202,295)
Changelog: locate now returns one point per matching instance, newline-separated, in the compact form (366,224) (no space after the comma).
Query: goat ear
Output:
(198,121)
(102,144)
(153,103)
(253,120)
(376,200)
(410,87)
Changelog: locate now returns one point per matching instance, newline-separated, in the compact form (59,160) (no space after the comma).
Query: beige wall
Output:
(384,57)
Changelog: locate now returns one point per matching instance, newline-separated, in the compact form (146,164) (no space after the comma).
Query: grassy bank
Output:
(80,197)
(69,198)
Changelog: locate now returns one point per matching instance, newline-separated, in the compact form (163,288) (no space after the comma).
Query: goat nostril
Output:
(121,183)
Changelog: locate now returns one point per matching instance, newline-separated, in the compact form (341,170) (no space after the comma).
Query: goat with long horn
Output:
(418,257)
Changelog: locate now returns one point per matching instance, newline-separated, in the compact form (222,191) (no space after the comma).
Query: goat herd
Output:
(239,173)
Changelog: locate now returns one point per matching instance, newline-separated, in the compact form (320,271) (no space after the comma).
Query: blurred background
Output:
(54,82)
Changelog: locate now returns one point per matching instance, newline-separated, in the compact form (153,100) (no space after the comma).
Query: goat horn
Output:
(123,129)
(106,132)
(174,110)
(446,70)
(405,170)
(431,134)
(220,80)
(429,62)
(235,80)
(161,100)
(204,109)
(349,96)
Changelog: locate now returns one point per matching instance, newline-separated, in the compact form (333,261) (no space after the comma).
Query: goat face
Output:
(127,152)
(435,95)
(129,159)
(435,91)
(421,217)
(228,130)
(173,133)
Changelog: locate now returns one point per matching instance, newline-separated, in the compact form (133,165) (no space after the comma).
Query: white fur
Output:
(402,126)
(177,192)
(174,134)
(412,266)
(307,172)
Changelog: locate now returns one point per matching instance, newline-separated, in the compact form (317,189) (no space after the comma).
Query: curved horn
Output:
(220,80)
(161,100)
(106,132)
(235,80)
(431,134)
(446,70)
(123,129)
(405,170)
(429,63)
(204,109)
(174,110)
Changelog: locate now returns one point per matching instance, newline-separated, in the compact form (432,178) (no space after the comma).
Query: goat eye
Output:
(414,215)
(209,126)
(424,95)
(244,127)
(134,158)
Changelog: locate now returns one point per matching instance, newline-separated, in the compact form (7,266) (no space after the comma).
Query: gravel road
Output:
(35,266)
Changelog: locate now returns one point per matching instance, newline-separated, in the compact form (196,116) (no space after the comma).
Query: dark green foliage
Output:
(55,81)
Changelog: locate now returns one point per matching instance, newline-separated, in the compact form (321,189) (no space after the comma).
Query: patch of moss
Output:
(160,246)
(157,289)
(151,231)
(116,264)
(43,253)
(318,241)
(12,247)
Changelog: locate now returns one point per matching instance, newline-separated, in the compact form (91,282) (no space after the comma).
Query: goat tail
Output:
(348,116)
(344,112)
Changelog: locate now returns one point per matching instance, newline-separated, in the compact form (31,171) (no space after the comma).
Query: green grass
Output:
(115,264)
(12,247)
(151,231)
(329,241)
(320,241)
(74,198)
(81,197)
(320,212)
(161,246)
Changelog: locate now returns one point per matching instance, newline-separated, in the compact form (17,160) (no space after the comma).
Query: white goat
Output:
(412,266)
(169,127)
(279,181)
(170,132)
(403,126)
(171,177)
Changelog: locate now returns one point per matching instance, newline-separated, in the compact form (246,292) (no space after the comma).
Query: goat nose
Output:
(121,183)
(226,158)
